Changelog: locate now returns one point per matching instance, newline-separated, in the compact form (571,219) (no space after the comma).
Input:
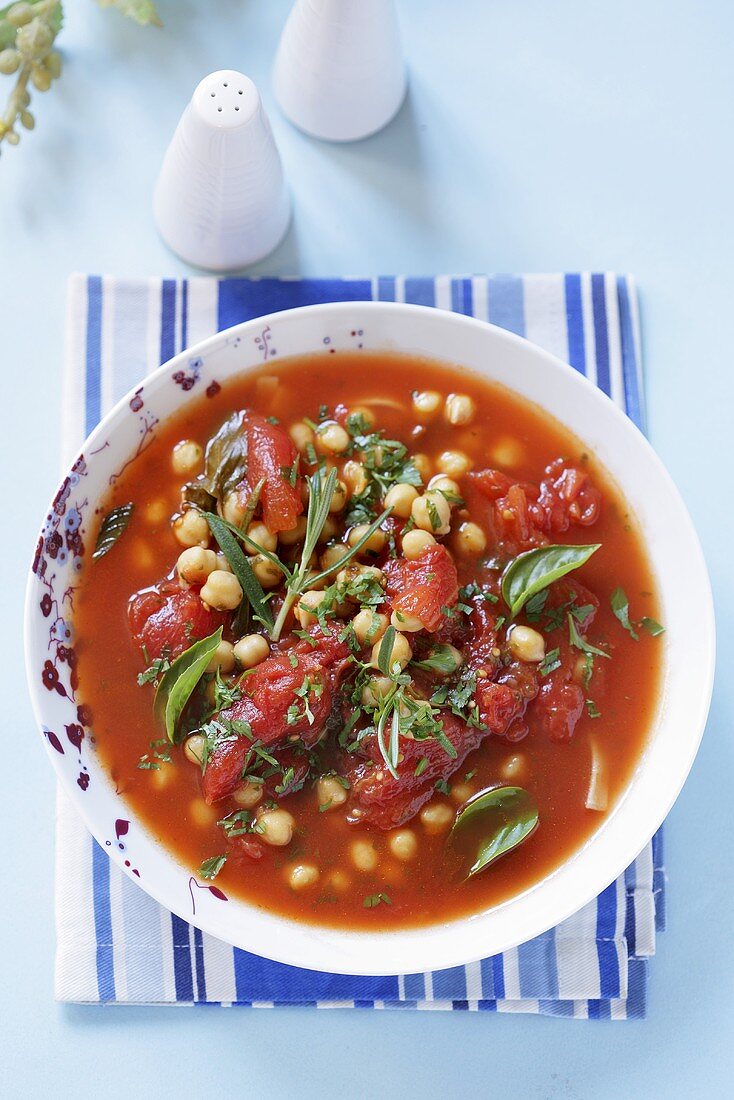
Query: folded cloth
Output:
(114,943)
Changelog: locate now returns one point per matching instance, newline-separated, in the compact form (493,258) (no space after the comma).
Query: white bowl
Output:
(676,559)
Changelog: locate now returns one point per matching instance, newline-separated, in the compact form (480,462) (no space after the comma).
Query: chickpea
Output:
(432,512)
(426,403)
(415,543)
(375,690)
(422,464)
(156,512)
(407,623)
(223,563)
(353,571)
(445,485)
(526,644)
(436,817)
(305,609)
(461,792)
(329,530)
(195,564)
(251,650)
(331,439)
(194,746)
(454,463)
(223,657)
(276,827)
(191,529)
(375,542)
(363,855)
(201,814)
(301,876)
(514,767)
(338,497)
(260,534)
(470,539)
(330,792)
(187,457)
(339,881)
(369,626)
(355,477)
(296,534)
(266,571)
(400,653)
(507,452)
(248,795)
(460,409)
(403,844)
(400,498)
(332,555)
(234,508)
(366,414)
(222,591)
(301,435)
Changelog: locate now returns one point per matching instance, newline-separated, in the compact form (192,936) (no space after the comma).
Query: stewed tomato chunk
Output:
(423,588)
(270,459)
(287,698)
(167,618)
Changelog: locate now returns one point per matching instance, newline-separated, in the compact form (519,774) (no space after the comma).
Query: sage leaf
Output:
(492,824)
(242,570)
(652,626)
(113,525)
(384,653)
(178,682)
(211,867)
(534,570)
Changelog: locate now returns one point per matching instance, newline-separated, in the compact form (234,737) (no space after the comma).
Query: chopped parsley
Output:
(211,867)
(376,899)
(550,662)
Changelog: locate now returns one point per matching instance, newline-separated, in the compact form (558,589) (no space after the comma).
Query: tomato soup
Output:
(368,641)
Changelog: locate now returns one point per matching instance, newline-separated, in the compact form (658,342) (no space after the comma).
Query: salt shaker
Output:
(221,201)
(339,71)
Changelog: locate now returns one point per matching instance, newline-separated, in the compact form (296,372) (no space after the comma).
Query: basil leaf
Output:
(242,570)
(178,682)
(225,459)
(621,608)
(652,626)
(502,818)
(112,527)
(534,570)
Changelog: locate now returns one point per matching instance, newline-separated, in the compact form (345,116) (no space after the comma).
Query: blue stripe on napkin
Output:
(117,945)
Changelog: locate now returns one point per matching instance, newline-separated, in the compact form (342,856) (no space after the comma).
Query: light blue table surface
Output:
(537,137)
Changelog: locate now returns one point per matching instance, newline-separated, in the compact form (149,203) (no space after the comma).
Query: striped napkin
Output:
(114,943)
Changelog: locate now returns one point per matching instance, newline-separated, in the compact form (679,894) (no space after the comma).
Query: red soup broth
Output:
(376,890)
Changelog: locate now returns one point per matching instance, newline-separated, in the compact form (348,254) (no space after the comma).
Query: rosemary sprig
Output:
(320,493)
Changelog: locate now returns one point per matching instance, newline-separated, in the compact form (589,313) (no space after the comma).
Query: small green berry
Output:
(12,138)
(9,61)
(34,40)
(28,120)
(40,79)
(52,64)
(18,15)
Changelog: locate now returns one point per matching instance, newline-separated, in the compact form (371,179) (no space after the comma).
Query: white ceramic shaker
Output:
(339,71)
(221,201)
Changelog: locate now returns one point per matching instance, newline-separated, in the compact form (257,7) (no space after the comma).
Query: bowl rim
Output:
(435,946)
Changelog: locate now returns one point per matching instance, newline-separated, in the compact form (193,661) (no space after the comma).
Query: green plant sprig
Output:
(28,31)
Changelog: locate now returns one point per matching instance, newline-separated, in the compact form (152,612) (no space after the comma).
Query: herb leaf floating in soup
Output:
(534,570)
(493,824)
(113,525)
(179,681)
(371,604)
